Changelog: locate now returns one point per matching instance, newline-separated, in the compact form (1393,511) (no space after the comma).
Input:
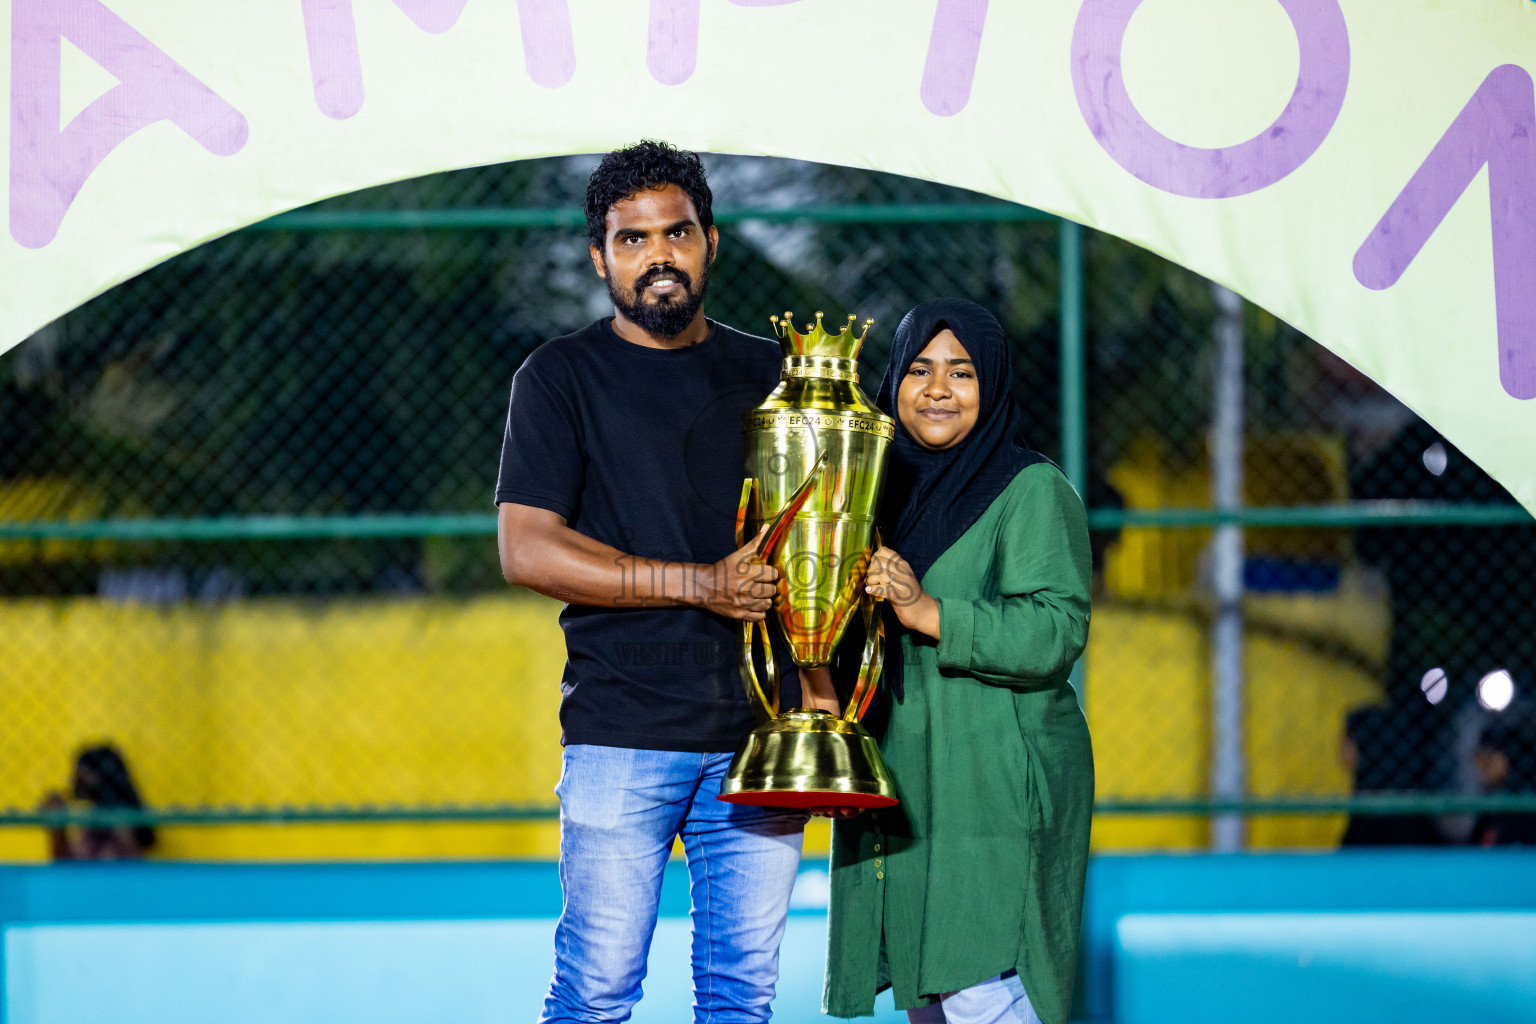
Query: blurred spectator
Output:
(102,781)
(1388,750)
(1506,763)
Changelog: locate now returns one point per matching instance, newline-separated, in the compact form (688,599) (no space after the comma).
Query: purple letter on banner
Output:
(49,166)
(952,50)
(1210,173)
(673,45)
(1496,128)
(549,51)
(335,66)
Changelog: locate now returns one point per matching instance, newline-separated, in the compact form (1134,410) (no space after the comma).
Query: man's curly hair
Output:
(645,165)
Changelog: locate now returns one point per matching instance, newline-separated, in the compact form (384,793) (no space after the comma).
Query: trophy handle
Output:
(874,654)
(786,516)
(762,706)
(744,510)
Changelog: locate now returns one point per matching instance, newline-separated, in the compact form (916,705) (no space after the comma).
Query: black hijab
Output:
(931,498)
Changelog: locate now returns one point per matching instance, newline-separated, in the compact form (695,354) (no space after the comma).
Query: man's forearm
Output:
(540,552)
(572,567)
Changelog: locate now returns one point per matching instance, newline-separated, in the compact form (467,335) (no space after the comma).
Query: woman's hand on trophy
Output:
(738,586)
(890,578)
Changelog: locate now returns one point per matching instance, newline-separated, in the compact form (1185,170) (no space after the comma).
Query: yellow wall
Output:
(287,702)
(1148,705)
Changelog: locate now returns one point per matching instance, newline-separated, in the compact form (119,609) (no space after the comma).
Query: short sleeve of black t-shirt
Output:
(641,449)
(541,458)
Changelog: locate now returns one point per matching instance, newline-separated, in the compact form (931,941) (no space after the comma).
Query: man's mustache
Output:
(647,277)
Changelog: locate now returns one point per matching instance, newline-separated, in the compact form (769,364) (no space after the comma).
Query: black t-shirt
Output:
(641,448)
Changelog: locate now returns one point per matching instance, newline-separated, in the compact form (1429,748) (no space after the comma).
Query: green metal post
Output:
(1074,385)
(1074,398)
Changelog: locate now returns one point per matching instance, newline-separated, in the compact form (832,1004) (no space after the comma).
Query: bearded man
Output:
(621,468)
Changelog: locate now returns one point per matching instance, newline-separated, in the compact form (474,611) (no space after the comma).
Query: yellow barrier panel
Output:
(432,700)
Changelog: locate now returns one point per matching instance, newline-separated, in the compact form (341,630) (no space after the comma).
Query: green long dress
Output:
(980,868)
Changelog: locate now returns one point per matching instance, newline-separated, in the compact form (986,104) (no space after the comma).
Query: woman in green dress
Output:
(965,898)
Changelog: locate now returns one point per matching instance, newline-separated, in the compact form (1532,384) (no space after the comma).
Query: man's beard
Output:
(670,315)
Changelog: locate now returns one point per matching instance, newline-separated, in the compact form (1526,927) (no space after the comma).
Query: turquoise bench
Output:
(1397,967)
(1187,938)
(1388,935)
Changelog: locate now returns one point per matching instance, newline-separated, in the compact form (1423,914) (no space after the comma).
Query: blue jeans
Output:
(620,810)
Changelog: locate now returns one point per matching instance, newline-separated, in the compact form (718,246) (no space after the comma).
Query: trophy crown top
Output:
(816,340)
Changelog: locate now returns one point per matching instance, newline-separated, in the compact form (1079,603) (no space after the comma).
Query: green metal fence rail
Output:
(309,815)
(1374,804)
(1385,513)
(457,220)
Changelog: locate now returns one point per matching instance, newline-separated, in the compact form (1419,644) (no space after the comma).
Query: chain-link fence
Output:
(246,535)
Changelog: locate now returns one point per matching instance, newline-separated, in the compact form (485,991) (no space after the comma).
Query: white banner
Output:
(1324,158)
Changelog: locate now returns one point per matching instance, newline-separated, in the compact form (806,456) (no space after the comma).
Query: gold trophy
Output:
(815,464)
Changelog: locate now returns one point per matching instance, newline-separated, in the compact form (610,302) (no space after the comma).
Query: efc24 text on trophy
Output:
(815,464)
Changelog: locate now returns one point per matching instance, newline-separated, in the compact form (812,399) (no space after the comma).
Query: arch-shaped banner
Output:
(1322,157)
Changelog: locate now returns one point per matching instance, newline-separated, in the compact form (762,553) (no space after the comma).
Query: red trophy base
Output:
(810,798)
